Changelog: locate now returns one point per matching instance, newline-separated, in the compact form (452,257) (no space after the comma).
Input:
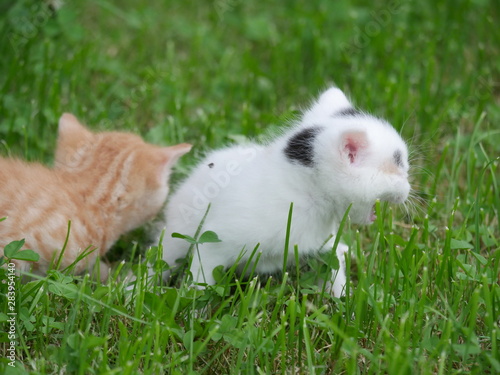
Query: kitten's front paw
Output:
(336,284)
(342,250)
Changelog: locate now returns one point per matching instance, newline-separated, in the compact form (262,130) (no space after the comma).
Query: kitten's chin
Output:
(364,217)
(369,217)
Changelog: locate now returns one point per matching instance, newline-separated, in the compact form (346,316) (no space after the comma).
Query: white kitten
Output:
(336,156)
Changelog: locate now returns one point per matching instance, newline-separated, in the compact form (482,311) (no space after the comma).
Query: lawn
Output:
(424,296)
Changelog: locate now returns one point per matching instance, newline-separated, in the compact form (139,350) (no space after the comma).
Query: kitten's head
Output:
(116,170)
(356,158)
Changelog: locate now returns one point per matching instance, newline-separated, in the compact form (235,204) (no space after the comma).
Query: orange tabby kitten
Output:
(105,183)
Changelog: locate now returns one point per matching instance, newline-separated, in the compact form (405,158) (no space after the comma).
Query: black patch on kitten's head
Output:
(348,112)
(398,158)
(300,147)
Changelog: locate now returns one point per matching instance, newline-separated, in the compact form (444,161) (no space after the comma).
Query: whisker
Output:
(416,204)
(420,170)
(405,122)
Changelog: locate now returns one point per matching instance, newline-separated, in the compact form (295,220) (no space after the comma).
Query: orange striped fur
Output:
(104,183)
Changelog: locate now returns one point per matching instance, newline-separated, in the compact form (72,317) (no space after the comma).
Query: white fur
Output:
(250,189)
(331,101)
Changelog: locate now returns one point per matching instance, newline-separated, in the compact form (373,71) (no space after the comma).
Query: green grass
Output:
(424,296)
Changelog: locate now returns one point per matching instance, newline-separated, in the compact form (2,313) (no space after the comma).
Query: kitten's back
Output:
(37,204)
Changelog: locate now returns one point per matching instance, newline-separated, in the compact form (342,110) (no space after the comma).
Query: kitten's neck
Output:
(304,189)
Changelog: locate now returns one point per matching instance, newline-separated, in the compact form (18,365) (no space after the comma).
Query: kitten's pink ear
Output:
(173,153)
(354,144)
(329,103)
(334,99)
(169,156)
(73,137)
(70,127)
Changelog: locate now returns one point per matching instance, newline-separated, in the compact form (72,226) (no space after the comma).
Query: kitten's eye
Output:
(398,159)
